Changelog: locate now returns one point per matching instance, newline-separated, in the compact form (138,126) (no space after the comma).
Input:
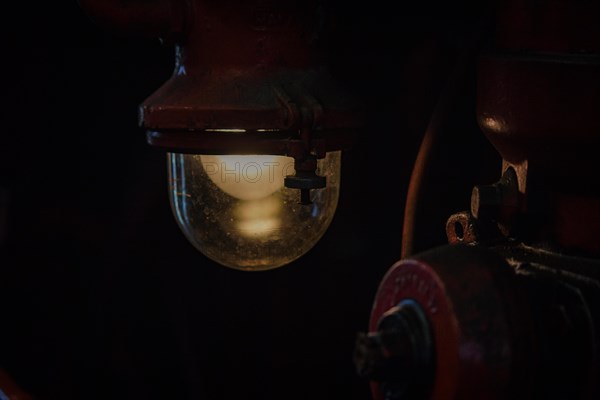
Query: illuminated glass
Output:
(236,210)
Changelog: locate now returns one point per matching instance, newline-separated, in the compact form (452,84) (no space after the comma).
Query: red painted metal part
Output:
(538,102)
(154,18)
(576,222)
(412,279)
(543,109)
(254,67)
(475,315)
(248,143)
(540,112)
(551,26)
(528,330)
(251,66)
(267,105)
(508,322)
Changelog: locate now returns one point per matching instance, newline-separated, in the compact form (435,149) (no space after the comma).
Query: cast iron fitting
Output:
(165,19)
(498,200)
(399,355)
(305,179)
(256,69)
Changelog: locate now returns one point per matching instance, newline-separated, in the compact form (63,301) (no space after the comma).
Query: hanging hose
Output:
(455,83)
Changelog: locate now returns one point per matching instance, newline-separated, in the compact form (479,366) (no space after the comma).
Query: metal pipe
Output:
(441,113)
(422,165)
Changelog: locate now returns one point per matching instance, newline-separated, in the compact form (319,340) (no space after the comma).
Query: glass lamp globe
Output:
(237,211)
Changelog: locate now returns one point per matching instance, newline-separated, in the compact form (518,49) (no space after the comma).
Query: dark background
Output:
(100,294)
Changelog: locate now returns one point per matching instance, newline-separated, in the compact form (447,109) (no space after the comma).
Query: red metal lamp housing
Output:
(252,121)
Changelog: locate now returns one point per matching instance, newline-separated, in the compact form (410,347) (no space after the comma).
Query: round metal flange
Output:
(305,181)
(477,322)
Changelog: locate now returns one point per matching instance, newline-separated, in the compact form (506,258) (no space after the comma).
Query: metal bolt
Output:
(399,355)
(499,202)
(461,228)
(486,201)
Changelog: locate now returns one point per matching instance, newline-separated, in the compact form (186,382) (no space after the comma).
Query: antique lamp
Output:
(251,119)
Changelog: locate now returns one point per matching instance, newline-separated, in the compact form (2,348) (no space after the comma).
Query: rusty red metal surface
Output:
(508,322)
(513,316)
(538,96)
(267,104)
(466,295)
(154,18)
(254,67)
(552,26)
(542,109)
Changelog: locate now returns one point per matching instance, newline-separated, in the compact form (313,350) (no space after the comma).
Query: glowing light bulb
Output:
(236,210)
(259,217)
(247,177)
